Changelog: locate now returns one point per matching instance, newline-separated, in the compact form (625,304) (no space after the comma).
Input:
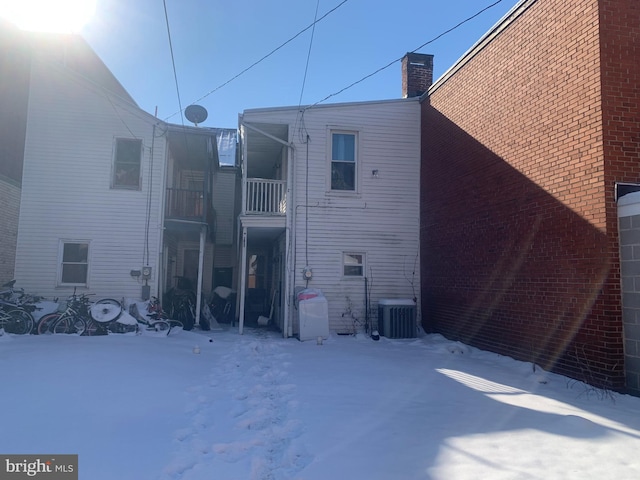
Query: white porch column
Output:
(203,234)
(243,278)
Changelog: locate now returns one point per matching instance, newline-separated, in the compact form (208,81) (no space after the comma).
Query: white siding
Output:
(382,220)
(67,190)
(9,213)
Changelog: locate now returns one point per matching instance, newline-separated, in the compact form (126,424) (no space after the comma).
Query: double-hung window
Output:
(74,263)
(126,164)
(353,264)
(343,161)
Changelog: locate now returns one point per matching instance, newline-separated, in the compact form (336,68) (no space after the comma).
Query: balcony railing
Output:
(185,204)
(266,196)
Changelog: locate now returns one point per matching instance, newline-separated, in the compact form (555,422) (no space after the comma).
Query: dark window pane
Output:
(127,163)
(127,175)
(128,151)
(353,270)
(74,273)
(75,252)
(343,176)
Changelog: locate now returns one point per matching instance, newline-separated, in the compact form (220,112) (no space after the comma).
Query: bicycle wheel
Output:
(161,326)
(46,322)
(175,324)
(69,325)
(18,322)
(93,328)
(110,301)
(184,316)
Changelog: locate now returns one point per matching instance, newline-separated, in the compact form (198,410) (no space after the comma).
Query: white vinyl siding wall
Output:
(381,220)
(67,190)
(9,214)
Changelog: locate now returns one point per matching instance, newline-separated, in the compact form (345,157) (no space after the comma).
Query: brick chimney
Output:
(417,74)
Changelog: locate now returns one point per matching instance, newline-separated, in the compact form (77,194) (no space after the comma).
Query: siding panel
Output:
(67,190)
(381,220)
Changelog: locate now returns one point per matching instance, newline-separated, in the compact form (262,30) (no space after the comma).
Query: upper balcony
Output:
(265,156)
(265,197)
(192,163)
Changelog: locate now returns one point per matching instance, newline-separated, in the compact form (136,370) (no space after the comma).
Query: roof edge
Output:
(326,105)
(487,38)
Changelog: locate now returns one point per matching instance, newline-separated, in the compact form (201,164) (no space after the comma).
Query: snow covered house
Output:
(330,201)
(112,200)
(115,202)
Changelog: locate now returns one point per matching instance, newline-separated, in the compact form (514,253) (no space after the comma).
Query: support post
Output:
(243,278)
(203,234)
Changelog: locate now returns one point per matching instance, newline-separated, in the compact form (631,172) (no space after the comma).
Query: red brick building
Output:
(524,141)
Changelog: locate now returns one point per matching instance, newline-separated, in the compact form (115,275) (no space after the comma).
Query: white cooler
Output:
(313,315)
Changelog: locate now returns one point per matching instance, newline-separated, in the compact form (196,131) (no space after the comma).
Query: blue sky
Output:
(214,40)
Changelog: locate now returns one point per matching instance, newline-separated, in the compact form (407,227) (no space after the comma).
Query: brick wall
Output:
(417,74)
(519,241)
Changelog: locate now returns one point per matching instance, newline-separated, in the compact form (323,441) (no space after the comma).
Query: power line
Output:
(306,67)
(261,59)
(173,62)
(412,51)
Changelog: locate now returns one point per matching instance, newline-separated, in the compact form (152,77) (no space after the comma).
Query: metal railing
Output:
(266,196)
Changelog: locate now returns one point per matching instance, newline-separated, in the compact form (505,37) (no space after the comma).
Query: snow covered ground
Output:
(261,407)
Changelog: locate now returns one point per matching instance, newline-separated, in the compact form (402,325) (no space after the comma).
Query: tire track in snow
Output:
(243,417)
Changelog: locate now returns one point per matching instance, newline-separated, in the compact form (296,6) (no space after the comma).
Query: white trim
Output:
(331,130)
(114,160)
(253,111)
(363,264)
(61,243)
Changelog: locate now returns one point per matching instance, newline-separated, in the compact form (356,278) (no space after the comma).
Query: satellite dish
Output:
(196,114)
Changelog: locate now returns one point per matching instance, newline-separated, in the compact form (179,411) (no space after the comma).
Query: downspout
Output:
(243,233)
(163,194)
(243,279)
(203,234)
(290,246)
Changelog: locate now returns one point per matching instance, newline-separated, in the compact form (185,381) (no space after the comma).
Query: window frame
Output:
(114,182)
(362,265)
(356,167)
(62,263)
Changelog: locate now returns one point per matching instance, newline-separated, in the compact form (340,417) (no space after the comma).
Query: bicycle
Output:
(104,318)
(80,317)
(71,320)
(182,307)
(16,321)
(16,311)
(153,317)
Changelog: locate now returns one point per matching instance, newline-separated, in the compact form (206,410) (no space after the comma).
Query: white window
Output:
(343,161)
(353,264)
(73,263)
(126,163)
